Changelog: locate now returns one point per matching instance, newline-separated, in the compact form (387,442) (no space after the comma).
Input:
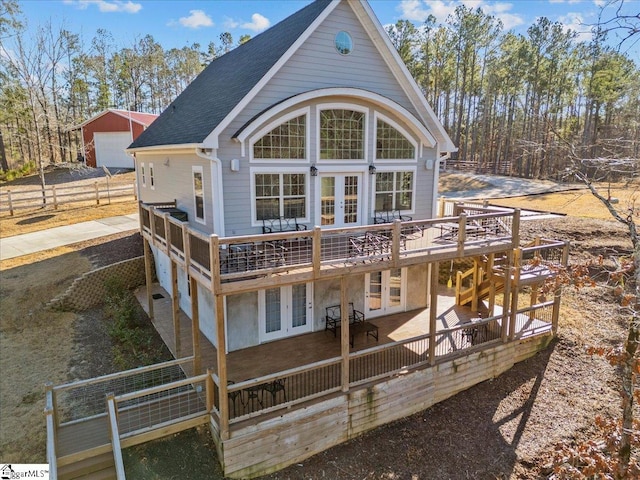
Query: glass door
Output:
(285,311)
(385,292)
(340,200)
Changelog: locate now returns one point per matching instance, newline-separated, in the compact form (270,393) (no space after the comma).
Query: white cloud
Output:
(196,19)
(575,21)
(257,24)
(419,10)
(230,23)
(106,6)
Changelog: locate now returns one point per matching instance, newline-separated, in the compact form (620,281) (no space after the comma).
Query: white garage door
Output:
(110,149)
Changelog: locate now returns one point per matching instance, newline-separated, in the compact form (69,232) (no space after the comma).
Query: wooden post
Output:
(10,202)
(506,297)
(433,310)
(476,282)
(175,307)
(533,300)
(515,290)
(51,393)
(344,333)
(148,275)
(195,326)
(115,437)
(214,262)
(462,233)
(55,197)
(95,184)
(395,243)
(210,388)
(515,228)
(441,207)
(221,356)
(316,257)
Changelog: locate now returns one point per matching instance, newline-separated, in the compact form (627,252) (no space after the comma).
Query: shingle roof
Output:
(193,115)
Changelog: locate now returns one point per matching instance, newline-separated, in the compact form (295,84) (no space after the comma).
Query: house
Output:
(289,211)
(105,137)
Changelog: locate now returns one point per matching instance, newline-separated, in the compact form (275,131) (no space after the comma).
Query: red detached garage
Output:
(106,135)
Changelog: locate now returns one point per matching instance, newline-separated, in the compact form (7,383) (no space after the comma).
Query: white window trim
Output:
(255,170)
(395,168)
(198,169)
(377,115)
(306,111)
(342,106)
(152,179)
(143,175)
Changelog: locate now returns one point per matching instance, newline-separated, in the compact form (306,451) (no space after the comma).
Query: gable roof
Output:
(144,119)
(213,94)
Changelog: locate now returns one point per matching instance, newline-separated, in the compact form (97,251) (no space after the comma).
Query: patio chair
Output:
(334,317)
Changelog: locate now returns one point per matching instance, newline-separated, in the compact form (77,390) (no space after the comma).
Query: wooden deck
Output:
(287,353)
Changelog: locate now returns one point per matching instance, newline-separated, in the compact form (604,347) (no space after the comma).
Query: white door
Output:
(385,292)
(340,204)
(285,311)
(109,148)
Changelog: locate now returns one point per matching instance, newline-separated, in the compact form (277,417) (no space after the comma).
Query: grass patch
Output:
(26,169)
(454,182)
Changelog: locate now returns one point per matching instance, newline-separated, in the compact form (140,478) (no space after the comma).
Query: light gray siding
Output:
(242,321)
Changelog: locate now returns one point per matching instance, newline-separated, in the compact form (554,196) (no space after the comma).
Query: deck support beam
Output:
(148,275)
(195,325)
(344,333)
(433,309)
(517,256)
(221,357)
(506,296)
(175,308)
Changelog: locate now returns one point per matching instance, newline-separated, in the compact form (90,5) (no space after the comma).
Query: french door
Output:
(385,292)
(340,204)
(285,311)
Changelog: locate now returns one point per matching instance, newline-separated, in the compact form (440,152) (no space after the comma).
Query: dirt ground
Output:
(503,428)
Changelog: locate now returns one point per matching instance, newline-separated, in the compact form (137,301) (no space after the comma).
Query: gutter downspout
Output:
(436,179)
(216,187)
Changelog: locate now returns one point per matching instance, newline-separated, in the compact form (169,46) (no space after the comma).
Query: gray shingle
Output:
(225,82)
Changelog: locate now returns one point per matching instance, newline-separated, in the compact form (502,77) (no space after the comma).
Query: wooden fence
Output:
(52,196)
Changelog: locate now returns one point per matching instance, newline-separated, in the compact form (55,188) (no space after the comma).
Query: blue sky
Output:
(176,23)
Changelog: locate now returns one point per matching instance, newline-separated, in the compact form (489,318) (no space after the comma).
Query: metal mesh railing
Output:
(177,241)
(158,226)
(154,407)
(144,215)
(534,320)
(467,335)
(387,359)
(199,251)
(289,387)
(86,398)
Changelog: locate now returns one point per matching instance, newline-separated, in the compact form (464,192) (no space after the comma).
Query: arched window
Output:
(341,135)
(391,144)
(286,141)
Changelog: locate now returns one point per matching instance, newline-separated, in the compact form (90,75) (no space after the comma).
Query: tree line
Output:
(514,104)
(510,102)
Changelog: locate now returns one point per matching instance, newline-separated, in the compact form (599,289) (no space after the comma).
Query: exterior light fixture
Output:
(314,171)
(372,169)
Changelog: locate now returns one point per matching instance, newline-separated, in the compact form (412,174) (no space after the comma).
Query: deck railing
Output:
(158,407)
(534,320)
(289,387)
(314,252)
(86,398)
(49,411)
(386,360)
(452,340)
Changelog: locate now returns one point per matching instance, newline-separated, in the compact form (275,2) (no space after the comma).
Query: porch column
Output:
(148,275)
(221,357)
(515,290)
(557,294)
(344,333)
(195,325)
(433,310)
(506,297)
(175,307)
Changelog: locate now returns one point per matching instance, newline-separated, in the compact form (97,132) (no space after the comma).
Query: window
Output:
(391,144)
(394,190)
(280,195)
(143,177)
(286,141)
(341,135)
(151,179)
(198,194)
(344,43)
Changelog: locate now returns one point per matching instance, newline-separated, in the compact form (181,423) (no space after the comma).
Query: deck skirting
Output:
(270,445)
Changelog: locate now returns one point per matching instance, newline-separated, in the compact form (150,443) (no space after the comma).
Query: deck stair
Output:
(486,279)
(100,467)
